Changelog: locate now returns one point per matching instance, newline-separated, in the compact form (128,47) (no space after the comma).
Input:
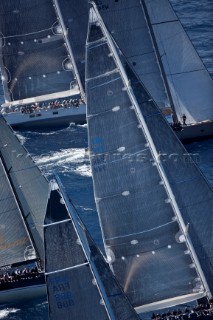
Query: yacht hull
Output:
(22,294)
(47,118)
(197,131)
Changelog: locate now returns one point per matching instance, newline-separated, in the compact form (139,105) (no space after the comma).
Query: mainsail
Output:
(75,18)
(80,284)
(34,59)
(150,196)
(29,186)
(149,34)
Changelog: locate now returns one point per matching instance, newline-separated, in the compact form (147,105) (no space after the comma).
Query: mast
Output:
(58,11)
(143,4)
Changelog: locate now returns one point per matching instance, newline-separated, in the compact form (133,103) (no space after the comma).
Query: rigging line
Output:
(142,232)
(69,268)
(96,43)
(140,190)
(106,74)
(190,71)
(105,83)
(168,21)
(27,34)
(140,54)
(54,223)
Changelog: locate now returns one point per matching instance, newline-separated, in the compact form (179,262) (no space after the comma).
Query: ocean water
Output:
(62,151)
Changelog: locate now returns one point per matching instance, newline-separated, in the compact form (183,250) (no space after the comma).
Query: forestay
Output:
(30,186)
(145,239)
(14,240)
(80,285)
(190,83)
(33,57)
(127,24)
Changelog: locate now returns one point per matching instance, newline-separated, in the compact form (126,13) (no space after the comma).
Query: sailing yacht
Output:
(155,206)
(154,42)
(23,196)
(80,284)
(40,79)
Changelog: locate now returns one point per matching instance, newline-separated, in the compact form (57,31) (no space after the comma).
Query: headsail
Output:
(190,83)
(30,186)
(75,17)
(127,24)
(80,285)
(33,57)
(14,239)
(144,226)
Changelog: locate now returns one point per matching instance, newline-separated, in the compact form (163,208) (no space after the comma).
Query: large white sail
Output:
(153,40)
(30,186)
(14,239)
(126,22)
(80,284)
(141,197)
(34,59)
(190,83)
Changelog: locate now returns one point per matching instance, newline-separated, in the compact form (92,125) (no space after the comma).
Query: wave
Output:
(4,313)
(69,160)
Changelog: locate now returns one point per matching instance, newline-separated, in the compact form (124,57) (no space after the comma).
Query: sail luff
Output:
(58,10)
(154,152)
(86,250)
(146,15)
(10,183)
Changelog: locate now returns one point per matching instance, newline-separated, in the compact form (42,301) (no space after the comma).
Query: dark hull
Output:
(23,291)
(48,123)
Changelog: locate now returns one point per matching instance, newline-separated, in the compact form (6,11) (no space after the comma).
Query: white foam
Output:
(84,170)
(4,313)
(21,138)
(74,159)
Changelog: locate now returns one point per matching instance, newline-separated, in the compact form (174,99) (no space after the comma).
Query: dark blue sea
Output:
(62,151)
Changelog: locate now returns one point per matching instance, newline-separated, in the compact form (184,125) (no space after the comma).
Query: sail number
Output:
(61,290)
(101,5)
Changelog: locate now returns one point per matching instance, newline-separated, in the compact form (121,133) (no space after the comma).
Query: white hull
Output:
(47,117)
(200,130)
(22,294)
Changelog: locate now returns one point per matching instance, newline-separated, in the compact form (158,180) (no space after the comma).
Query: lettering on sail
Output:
(101,6)
(61,289)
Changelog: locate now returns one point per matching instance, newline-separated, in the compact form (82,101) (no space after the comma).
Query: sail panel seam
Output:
(69,268)
(163,22)
(141,232)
